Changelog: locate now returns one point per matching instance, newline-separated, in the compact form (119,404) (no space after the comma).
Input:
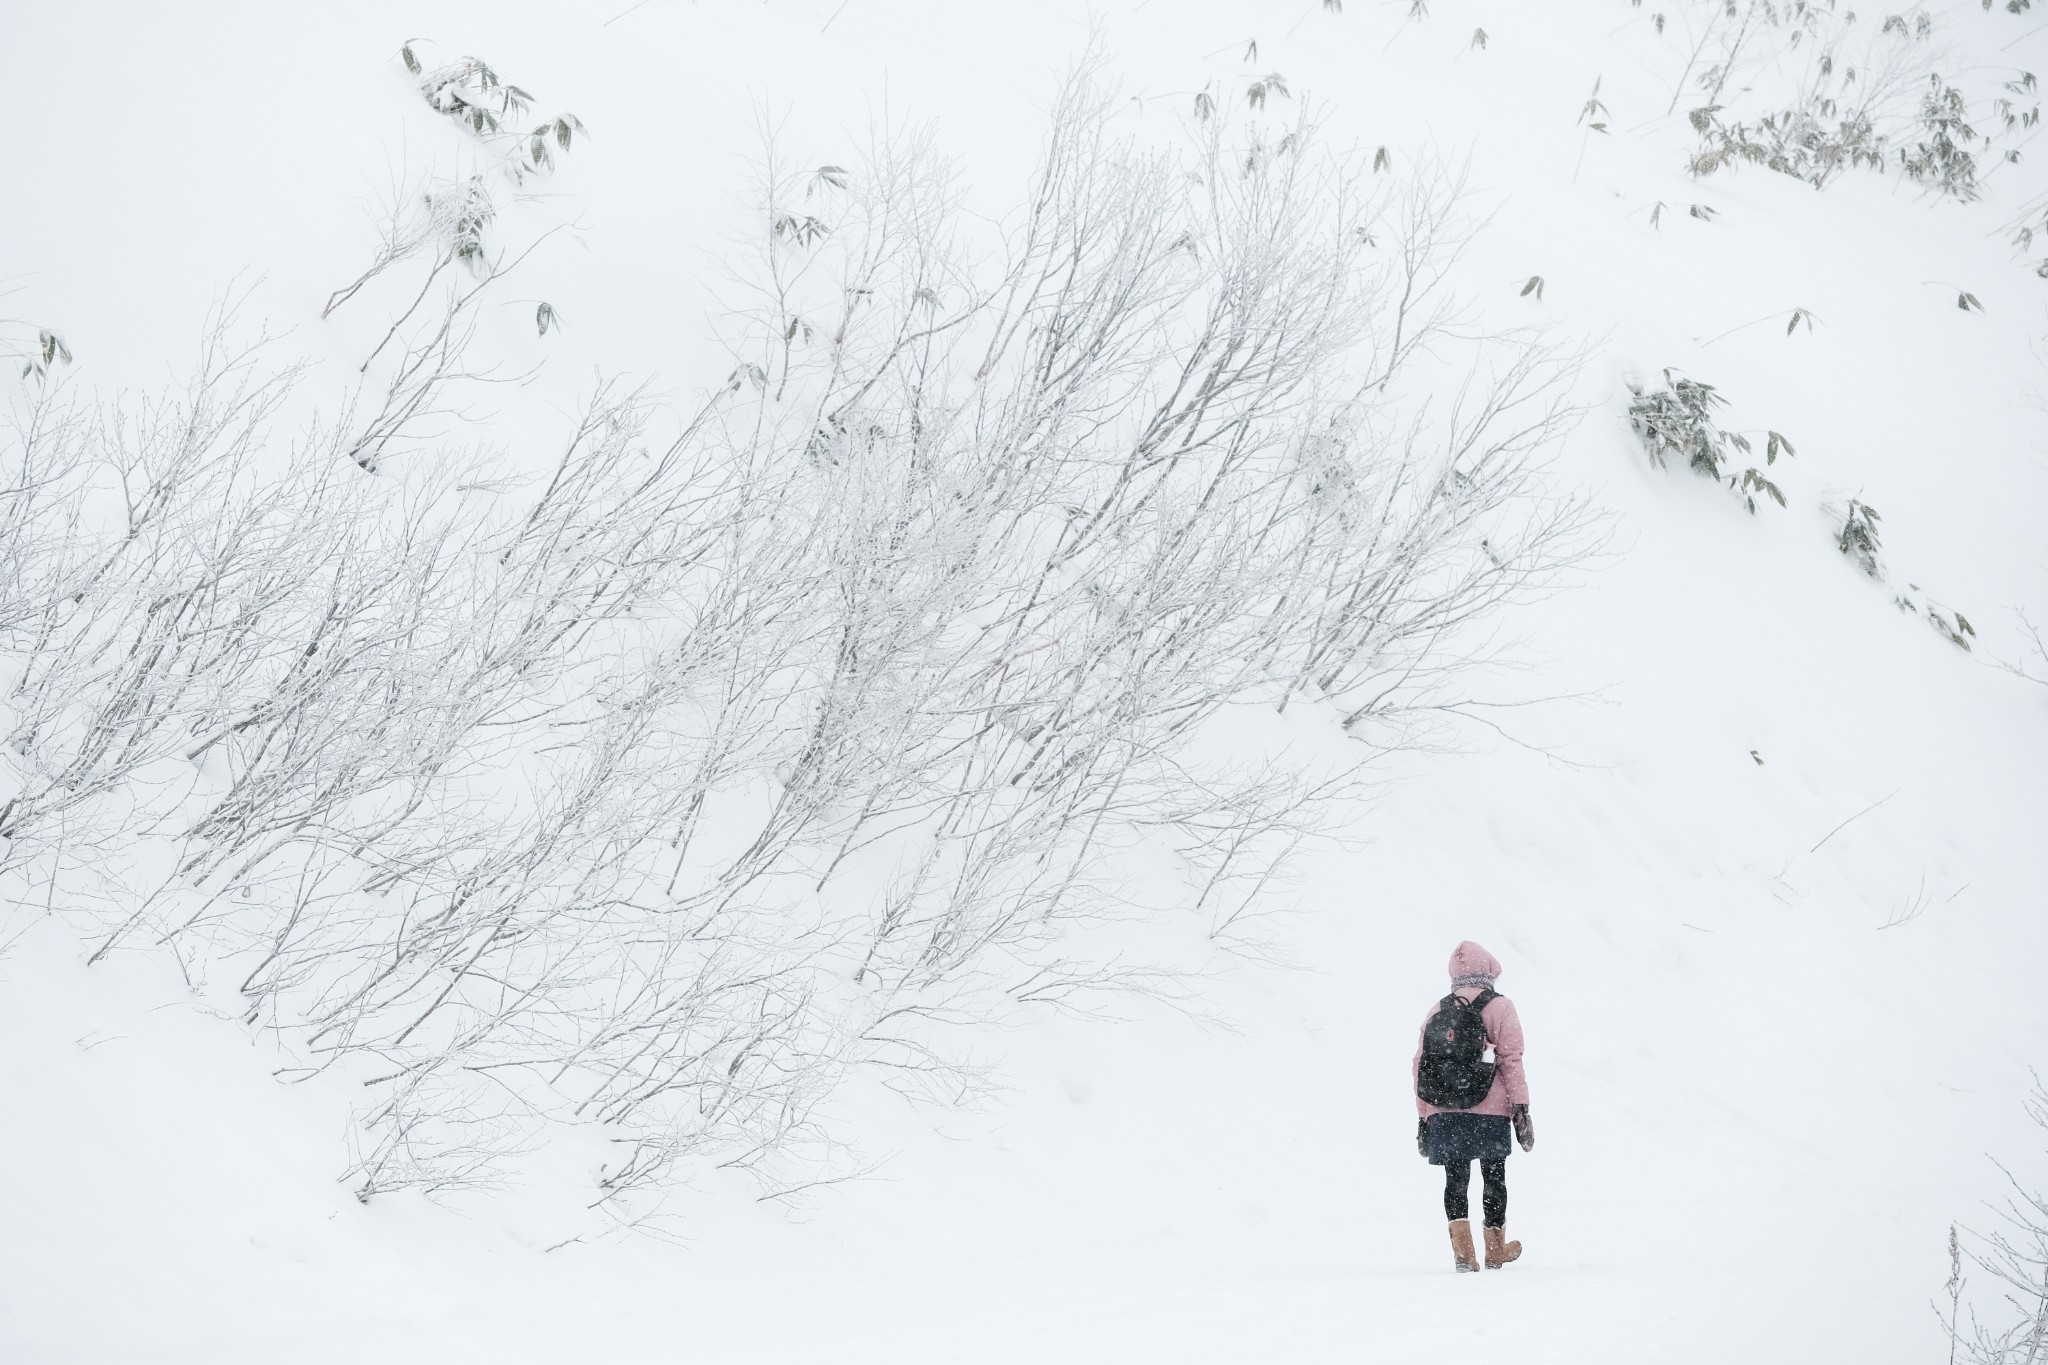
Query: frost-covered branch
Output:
(756,746)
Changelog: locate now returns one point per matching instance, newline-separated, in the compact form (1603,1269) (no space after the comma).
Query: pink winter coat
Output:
(1503,1035)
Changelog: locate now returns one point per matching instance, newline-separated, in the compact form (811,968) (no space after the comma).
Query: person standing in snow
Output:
(1469,1100)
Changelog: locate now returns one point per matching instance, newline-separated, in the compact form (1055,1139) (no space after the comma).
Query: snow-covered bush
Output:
(1858,538)
(1810,90)
(1942,157)
(765,743)
(1676,422)
(1812,143)
(2015,1258)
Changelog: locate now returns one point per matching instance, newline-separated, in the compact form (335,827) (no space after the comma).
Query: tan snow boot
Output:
(1499,1250)
(1461,1245)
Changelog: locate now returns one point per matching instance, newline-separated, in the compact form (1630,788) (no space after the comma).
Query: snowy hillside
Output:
(1715,773)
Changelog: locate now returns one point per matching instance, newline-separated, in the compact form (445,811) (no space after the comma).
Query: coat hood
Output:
(1470,962)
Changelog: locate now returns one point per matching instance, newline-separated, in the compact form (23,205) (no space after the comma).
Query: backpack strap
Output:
(1487,995)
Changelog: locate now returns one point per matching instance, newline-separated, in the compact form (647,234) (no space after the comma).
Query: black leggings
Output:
(1458,1179)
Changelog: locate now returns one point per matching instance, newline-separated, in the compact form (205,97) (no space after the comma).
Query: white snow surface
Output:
(1766,1172)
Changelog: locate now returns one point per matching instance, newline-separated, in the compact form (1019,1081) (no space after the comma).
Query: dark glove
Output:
(1525,1127)
(1422,1136)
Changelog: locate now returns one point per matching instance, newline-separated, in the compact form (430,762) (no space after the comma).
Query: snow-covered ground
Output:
(1768,1174)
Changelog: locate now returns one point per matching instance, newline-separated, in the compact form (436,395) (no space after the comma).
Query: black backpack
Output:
(1453,1042)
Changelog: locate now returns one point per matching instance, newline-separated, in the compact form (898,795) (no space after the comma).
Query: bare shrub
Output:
(2010,1326)
(2035,667)
(763,745)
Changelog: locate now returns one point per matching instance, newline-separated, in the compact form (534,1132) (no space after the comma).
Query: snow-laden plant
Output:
(1789,53)
(1952,625)
(439,221)
(1947,622)
(1811,89)
(1813,144)
(1676,423)
(443,220)
(2019,112)
(2009,1326)
(1858,538)
(1942,157)
(770,743)
(494,111)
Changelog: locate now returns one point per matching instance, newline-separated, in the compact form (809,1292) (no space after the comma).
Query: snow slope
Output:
(1769,1177)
